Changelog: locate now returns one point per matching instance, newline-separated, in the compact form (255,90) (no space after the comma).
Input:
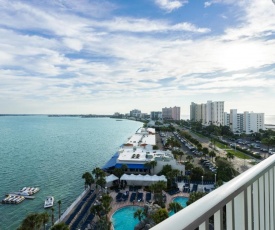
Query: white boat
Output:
(49,202)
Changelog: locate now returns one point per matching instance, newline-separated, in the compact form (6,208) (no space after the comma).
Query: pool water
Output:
(181,200)
(124,218)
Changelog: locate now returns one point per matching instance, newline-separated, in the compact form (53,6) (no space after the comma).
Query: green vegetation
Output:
(238,154)
(34,221)
(194,196)
(160,215)
(175,207)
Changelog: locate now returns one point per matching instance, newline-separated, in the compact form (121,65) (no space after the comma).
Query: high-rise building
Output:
(135,113)
(156,115)
(244,122)
(209,113)
(172,113)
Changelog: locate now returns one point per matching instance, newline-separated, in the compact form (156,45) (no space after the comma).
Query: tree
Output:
(45,218)
(194,196)
(270,141)
(189,158)
(205,151)
(33,221)
(52,216)
(230,155)
(160,215)
(89,180)
(153,165)
(59,208)
(60,226)
(175,207)
(96,209)
(148,165)
(139,214)
(212,154)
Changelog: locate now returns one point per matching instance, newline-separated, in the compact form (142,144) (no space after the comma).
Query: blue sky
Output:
(102,57)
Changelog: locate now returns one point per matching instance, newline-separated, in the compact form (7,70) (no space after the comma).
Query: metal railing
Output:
(246,202)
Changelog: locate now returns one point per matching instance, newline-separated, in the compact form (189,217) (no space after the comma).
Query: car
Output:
(256,153)
(264,150)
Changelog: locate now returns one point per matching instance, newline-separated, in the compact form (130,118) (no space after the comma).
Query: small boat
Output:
(13,199)
(49,202)
(30,190)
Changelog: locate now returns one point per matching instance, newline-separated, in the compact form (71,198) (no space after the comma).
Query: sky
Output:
(106,56)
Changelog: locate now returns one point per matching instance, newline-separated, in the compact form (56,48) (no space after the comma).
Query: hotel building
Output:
(172,113)
(209,113)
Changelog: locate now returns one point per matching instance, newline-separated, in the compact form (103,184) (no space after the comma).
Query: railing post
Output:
(266,197)
(261,202)
(249,207)
(218,220)
(272,200)
(256,205)
(239,211)
(229,216)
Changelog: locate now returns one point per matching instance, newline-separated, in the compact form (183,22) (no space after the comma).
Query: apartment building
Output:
(208,113)
(172,113)
(247,122)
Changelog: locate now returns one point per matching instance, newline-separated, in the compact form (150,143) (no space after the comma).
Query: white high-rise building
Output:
(244,122)
(253,122)
(209,113)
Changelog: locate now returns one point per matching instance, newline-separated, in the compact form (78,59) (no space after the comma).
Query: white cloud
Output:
(170,5)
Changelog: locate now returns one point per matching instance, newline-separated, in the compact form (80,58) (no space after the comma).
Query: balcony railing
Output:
(245,203)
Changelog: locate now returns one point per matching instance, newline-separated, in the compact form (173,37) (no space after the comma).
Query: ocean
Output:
(53,153)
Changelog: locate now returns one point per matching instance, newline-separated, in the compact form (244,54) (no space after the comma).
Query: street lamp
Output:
(202,182)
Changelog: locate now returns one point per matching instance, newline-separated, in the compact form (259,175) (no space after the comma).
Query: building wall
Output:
(253,122)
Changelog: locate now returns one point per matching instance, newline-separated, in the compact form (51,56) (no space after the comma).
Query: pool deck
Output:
(117,205)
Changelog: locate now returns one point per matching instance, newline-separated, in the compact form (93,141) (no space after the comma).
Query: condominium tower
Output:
(247,122)
(172,113)
(209,113)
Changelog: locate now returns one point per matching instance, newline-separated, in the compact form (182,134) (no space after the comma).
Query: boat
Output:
(49,202)
(24,194)
(30,190)
(13,199)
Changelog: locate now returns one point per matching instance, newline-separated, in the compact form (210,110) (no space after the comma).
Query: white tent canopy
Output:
(142,180)
(110,178)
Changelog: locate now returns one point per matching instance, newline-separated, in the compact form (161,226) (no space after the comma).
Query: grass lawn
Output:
(239,154)
(221,146)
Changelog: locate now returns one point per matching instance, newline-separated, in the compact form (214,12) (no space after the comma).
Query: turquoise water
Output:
(53,153)
(124,218)
(182,200)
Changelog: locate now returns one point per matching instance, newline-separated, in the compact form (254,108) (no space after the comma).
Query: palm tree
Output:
(212,154)
(175,207)
(89,180)
(189,158)
(230,155)
(148,165)
(59,208)
(205,151)
(60,226)
(52,216)
(153,164)
(97,210)
(98,173)
(138,214)
(160,215)
(45,218)
(268,142)
(106,204)
(32,222)
(180,153)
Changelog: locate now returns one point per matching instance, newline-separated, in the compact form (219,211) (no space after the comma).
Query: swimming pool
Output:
(124,218)
(181,200)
